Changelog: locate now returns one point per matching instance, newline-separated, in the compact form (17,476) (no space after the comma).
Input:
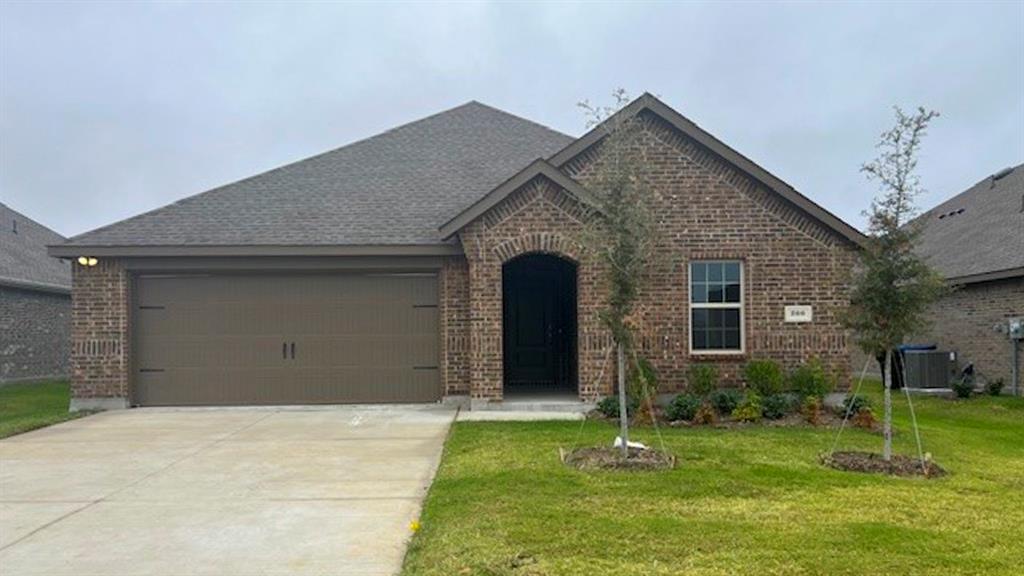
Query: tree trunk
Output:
(887,424)
(623,416)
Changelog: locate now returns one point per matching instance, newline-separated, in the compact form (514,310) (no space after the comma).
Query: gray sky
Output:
(107,110)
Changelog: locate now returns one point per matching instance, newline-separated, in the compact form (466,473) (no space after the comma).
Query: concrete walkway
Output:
(218,491)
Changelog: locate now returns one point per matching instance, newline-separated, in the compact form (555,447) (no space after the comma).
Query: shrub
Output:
(810,379)
(683,407)
(749,410)
(811,410)
(764,376)
(705,415)
(702,378)
(964,386)
(776,406)
(864,419)
(726,400)
(609,406)
(994,387)
(855,405)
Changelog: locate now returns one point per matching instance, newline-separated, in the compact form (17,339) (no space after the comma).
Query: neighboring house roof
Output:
(393,189)
(24,262)
(978,234)
(403,192)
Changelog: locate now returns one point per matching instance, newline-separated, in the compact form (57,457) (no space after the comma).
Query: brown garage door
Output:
(285,339)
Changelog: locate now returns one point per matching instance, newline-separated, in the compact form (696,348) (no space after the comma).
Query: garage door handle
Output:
(293,350)
(284,350)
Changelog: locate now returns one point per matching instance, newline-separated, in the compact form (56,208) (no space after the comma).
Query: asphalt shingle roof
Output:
(978,231)
(23,257)
(396,188)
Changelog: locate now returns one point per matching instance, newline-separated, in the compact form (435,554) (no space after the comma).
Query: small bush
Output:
(994,387)
(726,400)
(811,410)
(864,419)
(855,405)
(810,379)
(776,406)
(705,415)
(683,407)
(749,410)
(609,406)
(702,378)
(764,376)
(964,386)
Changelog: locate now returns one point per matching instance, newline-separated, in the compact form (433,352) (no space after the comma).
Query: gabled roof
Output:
(538,167)
(978,234)
(648,102)
(387,194)
(23,259)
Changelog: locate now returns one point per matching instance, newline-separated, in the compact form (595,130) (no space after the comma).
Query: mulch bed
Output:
(873,463)
(606,458)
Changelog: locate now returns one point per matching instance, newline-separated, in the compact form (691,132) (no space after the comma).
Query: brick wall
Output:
(454,315)
(100,306)
(706,210)
(35,334)
(963,322)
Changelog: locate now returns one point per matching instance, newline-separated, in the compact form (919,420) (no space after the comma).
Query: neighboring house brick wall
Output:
(35,335)
(100,305)
(964,321)
(706,210)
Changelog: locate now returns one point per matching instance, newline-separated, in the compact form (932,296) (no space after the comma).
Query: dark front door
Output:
(539,324)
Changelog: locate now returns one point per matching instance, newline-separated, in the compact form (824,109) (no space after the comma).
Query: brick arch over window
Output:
(539,243)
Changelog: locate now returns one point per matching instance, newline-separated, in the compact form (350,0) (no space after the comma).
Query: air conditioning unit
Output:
(927,368)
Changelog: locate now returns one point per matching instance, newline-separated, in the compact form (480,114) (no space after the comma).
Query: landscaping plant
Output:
(683,407)
(811,410)
(726,400)
(764,376)
(994,387)
(810,379)
(705,415)
(749,410)
(702,379)
(893,286)
(776,406)
(621,229)
(964,386)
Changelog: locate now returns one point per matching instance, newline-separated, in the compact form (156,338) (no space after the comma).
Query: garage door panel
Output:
(218,339)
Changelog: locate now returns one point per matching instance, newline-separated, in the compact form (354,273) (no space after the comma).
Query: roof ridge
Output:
(521,118)
(33,220)
(278,168)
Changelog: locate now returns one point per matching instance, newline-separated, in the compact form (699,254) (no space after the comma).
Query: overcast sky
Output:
(111,109)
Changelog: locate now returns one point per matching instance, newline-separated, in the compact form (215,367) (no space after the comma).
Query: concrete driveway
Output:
(224,492)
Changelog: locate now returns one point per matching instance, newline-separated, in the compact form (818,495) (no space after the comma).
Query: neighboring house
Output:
(976,241)
(440,260)
(35,302)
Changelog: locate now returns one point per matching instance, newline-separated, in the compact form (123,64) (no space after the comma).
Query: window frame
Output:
(741,306)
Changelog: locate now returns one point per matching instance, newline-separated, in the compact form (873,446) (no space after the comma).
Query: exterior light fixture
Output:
(87,261)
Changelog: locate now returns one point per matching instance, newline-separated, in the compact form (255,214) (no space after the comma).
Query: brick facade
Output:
(964,321)
(707,210)
(35,334)
(100,306)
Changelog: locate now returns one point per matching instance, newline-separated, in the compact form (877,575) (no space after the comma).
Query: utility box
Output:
(927,368)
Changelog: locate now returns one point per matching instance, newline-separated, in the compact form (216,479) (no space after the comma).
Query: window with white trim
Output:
(716,306)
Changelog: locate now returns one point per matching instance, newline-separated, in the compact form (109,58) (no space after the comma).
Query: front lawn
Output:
(25,407)
(747,501)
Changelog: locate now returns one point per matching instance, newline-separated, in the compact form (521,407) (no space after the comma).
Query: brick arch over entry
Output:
(539,243)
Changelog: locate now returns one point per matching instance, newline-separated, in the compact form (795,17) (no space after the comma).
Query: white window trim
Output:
(709,305)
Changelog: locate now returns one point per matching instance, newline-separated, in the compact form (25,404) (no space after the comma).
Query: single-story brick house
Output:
(976,241)
(35,302)
(440,260)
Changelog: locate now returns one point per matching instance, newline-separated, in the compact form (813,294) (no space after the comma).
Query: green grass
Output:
(748,501)
(25,407)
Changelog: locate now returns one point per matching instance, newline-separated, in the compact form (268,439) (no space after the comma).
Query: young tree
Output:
(893,286)
(622,230)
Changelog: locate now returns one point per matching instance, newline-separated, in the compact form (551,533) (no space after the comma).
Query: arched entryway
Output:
(539,325)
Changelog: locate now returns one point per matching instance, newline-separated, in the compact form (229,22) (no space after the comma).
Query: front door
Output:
(539,324)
